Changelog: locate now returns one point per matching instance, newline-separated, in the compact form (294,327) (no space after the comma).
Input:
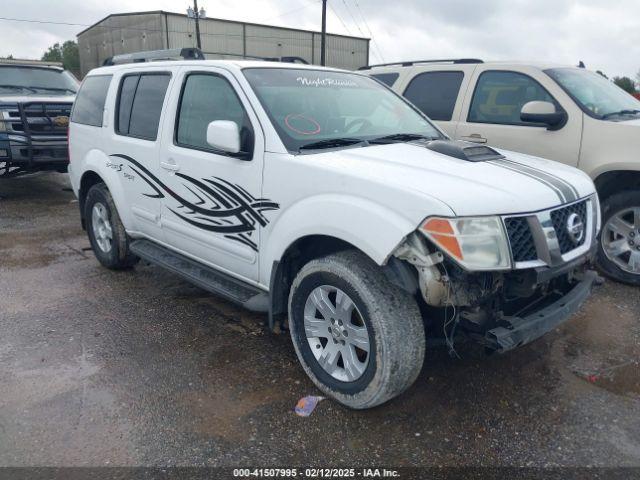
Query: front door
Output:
(211,209)
(491,115)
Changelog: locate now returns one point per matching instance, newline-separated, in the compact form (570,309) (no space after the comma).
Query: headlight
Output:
(478,243)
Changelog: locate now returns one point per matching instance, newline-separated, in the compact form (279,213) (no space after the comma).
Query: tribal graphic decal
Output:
(219,206)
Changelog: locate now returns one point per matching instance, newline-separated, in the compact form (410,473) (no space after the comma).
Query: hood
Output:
(516,183)
(35,98)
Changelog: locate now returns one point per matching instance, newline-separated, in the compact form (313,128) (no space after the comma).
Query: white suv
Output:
(321,195)
(567,114)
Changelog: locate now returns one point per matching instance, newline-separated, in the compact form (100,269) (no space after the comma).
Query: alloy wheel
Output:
(621,239)
(102,230)
(336,333)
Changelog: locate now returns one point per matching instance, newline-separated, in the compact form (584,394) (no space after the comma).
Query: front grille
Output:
(523,247)
(560,218)
(40,118)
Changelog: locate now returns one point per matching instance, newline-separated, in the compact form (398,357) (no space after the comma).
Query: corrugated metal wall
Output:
(220,39)
(120,34)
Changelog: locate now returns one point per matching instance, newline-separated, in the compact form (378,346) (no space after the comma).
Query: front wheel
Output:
(359,338)
(619,250)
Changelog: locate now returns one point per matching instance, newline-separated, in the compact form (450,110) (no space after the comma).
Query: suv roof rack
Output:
(35,63)
(409,63)
(155,56)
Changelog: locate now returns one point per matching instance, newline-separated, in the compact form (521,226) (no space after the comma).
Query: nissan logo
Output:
(575,228)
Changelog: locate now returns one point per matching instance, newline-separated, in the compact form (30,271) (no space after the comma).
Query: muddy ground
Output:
(140,368)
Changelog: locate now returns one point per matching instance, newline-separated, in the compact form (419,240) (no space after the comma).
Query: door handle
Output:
(173,167)
(475,138)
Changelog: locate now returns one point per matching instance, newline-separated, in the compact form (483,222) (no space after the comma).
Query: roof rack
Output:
(409,63)
(156,55)
(35,63)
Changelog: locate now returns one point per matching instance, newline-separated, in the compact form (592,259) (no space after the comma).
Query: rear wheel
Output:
(359,338)
(619,250)
(107,235)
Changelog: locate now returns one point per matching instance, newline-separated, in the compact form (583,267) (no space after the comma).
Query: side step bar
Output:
(237,291)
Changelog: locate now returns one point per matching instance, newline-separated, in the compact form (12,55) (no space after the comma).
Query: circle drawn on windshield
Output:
(298,118)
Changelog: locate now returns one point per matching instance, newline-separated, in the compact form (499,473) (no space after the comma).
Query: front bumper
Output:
(516,331)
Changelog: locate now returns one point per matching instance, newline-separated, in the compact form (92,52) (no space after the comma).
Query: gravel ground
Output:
(140,368)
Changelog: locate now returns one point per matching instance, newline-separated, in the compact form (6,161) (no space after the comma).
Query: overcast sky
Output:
(605,34)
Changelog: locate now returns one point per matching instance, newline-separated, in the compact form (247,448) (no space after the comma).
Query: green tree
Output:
(67,53)
(626,84)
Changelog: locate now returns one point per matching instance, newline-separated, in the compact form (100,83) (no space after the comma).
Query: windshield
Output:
(595,94)
(32,80)
(323,109)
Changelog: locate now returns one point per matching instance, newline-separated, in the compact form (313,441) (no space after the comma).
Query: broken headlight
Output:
(476,243)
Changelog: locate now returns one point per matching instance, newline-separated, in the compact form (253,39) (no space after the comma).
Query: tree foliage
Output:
(626,84)
(67,53)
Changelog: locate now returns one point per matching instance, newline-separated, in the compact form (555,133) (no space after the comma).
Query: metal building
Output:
(134,32)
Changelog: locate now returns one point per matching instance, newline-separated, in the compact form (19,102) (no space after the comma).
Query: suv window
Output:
(207,97)
(435,93)
(387,78)
(140,104)
(499,96)
(88,107)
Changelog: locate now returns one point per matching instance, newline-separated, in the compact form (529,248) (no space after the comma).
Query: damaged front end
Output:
(503,308)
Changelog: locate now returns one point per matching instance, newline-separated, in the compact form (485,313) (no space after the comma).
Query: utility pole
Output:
(323,44)
(196,15)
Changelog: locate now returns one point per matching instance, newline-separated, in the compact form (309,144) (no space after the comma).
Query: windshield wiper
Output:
(401,137)
(331,143)
(620,112)
(18,87)
(54,89)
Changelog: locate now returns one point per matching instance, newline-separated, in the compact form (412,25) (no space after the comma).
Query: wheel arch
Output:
(615,181)
(88,180)
(296,255)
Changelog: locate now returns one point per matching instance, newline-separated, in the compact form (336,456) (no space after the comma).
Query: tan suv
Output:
(567,114)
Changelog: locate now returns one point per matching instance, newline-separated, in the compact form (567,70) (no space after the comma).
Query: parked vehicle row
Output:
(35,104)
(567,114)
(322,197)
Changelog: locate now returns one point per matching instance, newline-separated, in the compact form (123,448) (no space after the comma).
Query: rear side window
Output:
(206,98)
(387,78)
(435,93)
(140,104)
(88,108)
(500,96)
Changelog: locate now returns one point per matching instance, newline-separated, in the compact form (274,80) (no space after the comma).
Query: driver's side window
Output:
(500,95)
(207,97)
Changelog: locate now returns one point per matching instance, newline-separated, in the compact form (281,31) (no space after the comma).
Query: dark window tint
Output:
(435,93)
(88,108)
(127,91)
(387,78)
(500,96)
(206,98)
(140,105)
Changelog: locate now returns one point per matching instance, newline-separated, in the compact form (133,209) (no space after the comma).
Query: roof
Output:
(502,63)
(236,64)
(31,63)
(164,12)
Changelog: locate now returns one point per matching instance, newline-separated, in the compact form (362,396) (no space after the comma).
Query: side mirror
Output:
(545,113)
(224,135)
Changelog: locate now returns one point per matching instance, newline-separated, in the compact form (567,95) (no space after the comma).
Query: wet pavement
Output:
(141,368)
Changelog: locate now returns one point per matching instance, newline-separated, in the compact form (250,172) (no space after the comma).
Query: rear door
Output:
(491,114)
(439,93)
(211,209)
(133,146)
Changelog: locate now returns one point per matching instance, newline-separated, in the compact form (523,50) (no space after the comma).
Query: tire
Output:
(625,267)
(115,253)
(394,330)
